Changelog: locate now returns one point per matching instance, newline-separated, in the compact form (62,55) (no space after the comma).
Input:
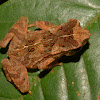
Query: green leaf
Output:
(79,76)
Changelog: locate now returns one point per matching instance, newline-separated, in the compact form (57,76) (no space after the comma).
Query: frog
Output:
(41,48)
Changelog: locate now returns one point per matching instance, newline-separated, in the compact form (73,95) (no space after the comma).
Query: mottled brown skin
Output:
(39,49)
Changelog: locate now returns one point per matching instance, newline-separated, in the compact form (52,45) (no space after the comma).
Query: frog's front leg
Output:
(16,73)
(46,26)
(42,25)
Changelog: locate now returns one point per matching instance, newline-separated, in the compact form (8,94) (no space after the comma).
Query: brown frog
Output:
(40,48)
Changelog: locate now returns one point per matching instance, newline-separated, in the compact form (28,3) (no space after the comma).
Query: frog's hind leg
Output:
(5,63)
(41,24)
(19,27)
(16,73)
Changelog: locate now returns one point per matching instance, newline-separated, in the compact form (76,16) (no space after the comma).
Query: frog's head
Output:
(80,34)
(71,36)
(73,29)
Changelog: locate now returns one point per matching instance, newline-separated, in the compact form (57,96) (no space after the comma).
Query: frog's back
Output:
(41,46)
